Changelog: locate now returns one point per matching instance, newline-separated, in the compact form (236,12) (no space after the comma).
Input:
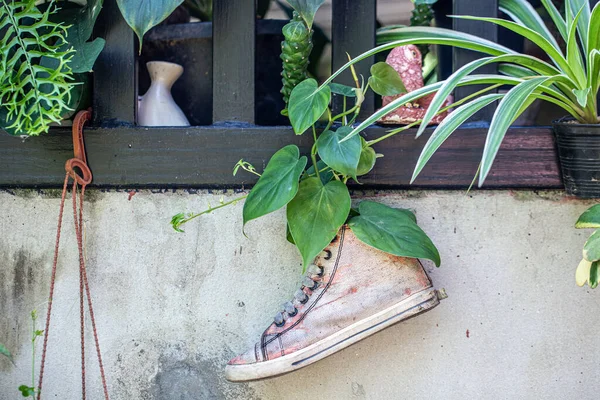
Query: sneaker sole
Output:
(407,308)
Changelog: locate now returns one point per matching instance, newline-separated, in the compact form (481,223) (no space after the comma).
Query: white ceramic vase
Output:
(157,107)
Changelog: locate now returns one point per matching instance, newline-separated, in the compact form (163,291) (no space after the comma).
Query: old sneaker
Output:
(352,291)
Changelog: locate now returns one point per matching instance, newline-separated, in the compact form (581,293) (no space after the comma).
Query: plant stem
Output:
(461,101)
(350,111)
(211,209)
(330,120)
(33,337)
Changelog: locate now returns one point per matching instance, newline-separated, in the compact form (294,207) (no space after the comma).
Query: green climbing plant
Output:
(35,74)
(313,188)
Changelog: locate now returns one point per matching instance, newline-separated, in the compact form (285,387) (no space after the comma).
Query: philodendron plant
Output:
(314,189)
(571,79)
(588,269)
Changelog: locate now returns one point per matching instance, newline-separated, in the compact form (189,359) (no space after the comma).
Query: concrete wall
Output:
(173,308)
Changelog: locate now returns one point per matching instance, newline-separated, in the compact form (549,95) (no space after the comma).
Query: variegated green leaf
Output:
(535,37)
(448,126)
(590,218)
(522,12)
(507,111)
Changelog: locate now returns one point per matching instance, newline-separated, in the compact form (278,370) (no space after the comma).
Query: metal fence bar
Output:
(234,71)
(353,32)
(115,72)
(481,8)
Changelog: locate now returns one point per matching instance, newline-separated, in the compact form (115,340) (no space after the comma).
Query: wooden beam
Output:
(203,157)
(234,43)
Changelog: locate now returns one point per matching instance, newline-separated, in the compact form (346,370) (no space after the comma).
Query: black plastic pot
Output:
(579,155)
(190,45)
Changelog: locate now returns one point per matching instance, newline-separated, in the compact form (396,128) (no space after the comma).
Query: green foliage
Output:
(317,196)
(307,103)
(344,90)
(295,52)
(143,15)
(316,214)
(385,80)
(33,95)
(81,23)
(201,9)
(306,9)
(341,157)
(278,184)
(590,218)
(587,271)
(571,80)
(27,391)
(367,159)
(392,230)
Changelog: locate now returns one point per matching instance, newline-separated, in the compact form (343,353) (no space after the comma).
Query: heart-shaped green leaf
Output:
(307,9)
(590,218)
(367,159)
(591,249)
(143,15)
(344,90)
(341,157)
(307,103)
(316,214)
(393,230)
(385,80)
(277,185)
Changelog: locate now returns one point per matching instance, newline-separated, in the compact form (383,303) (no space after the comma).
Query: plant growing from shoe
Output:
(571,80)
(588,269)
(315,194)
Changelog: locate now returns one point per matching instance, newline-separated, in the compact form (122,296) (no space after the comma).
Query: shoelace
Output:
(290,308)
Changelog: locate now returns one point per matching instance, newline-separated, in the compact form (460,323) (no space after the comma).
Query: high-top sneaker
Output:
(350,292)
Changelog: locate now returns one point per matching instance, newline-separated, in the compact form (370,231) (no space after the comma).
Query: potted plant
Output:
(361,262)
(571,81)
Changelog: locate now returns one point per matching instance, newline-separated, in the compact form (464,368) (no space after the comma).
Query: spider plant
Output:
(570,79)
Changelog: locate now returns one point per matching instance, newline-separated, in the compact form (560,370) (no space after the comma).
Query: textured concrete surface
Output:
(173,308)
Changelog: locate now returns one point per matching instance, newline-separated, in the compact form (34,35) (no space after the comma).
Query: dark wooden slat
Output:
(203,157)
(485,30)
(115,73)
(234,37)
(353,32)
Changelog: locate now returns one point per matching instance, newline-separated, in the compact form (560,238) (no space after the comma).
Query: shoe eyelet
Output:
(304,300)
(294,313)
(321,271)
(279,325)
(328,256)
